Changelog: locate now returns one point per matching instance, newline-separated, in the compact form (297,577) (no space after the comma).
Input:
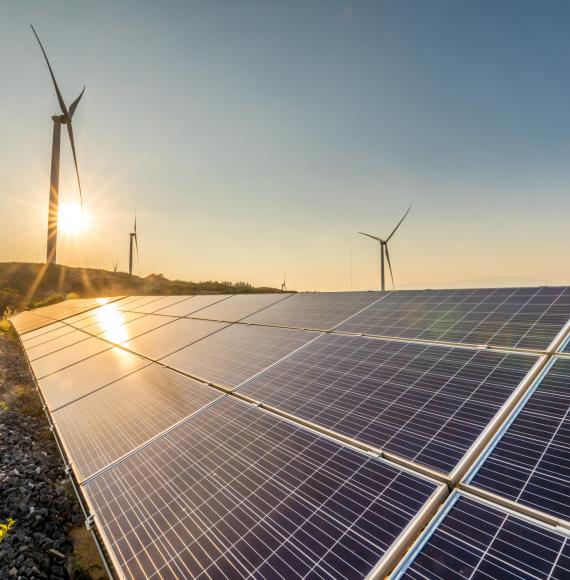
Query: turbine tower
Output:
(58,120)
(384,250)
(133,237)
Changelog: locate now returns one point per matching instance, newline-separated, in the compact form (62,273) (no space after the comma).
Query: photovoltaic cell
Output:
(237,352)
(318,311)
(193,304)
(172,337)
(475,540)
(239,306)
(236,492)
(55,330)
(162,302)
(68,356)
(427,403)
(63,310)
(134,302)
(113,330)
(36,352)
(99,429)
(102,316)
(28,322)
(527,318)
(88,375)
(530,464)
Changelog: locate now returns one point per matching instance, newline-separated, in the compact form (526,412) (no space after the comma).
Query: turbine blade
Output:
(389,265)
(73,105)
(399,224)
(371,236)
(59,97)
(70,132)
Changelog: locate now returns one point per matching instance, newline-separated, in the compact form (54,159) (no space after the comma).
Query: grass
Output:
(26,285)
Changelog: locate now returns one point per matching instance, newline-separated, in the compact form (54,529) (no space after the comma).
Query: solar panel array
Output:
(315,435)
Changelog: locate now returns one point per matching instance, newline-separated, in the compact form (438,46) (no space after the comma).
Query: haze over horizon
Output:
(240,161)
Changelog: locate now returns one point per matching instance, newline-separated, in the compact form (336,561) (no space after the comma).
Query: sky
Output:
(252,137)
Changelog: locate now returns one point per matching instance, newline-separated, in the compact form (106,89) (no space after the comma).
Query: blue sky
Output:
(250,136)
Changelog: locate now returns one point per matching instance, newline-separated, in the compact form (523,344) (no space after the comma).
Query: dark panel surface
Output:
(172,337)
(239,306)
(235,491)
(478,541)
(427,403)
(512,317)
(100,428)
(162,302)
(68,356)
(193,304)
(319,311)
(530,464)
(236,353)
(84,377)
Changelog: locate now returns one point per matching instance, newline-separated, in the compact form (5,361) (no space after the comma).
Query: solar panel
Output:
(112,421)
(239,306)
(68,356)
(237,492)
(103,316)
(162,302)
(63,310)
(172,337)
(133,302)
(236,353)
(319,311)
(111,328)
(84,377)
(35,352)
(527,318)
(37,337)
(530,463)
(426,403)
(184,480)
(475,540)
(28,322)
(193,304)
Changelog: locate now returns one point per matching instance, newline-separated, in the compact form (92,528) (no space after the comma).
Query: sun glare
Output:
(71,218)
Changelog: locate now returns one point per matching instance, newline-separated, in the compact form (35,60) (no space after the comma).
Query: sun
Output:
(72,219)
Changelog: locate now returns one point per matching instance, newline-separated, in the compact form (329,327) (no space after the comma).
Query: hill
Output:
(25,285)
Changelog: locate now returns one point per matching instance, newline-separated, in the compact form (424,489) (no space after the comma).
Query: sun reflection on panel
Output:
(112,322)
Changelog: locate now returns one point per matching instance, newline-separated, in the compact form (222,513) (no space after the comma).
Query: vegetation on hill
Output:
(25,285)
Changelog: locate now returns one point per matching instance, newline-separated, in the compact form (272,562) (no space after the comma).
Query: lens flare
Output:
(71,218)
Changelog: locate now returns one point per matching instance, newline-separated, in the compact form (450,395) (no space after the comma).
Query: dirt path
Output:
(42,534)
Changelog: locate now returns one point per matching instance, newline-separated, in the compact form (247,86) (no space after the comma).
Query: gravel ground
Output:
(39,513)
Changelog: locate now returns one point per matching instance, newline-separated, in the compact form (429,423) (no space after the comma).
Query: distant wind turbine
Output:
(384,249)
(58,120)
(284,283)
(133,237)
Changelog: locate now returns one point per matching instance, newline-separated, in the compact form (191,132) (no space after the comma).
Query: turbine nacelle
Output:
(384,249)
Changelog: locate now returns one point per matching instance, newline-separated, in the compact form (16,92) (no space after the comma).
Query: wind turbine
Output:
(133,236)
(384,249)
(284,283)
(58,120)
